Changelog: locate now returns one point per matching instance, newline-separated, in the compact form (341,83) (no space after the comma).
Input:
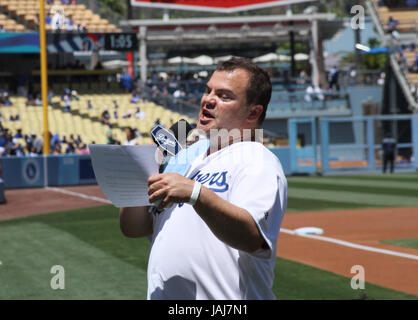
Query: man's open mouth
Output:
(206,116)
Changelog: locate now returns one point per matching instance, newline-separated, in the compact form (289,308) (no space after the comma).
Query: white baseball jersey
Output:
(187,261)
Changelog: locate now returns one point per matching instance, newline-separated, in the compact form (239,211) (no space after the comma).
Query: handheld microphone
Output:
(172,140)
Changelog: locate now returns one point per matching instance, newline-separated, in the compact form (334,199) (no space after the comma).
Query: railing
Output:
(302,101)
(184,106)
(361,78)
(400,76)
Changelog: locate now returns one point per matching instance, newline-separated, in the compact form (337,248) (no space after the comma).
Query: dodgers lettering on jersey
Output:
(214,181)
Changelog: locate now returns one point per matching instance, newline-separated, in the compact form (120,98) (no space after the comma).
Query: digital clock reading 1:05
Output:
(121,41)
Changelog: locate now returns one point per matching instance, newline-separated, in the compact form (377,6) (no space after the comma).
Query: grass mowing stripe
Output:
(30,246)
(294,280)
(99,227)
(353,197)
(357,188)
(408,243)
(404,177)
(29,250)
(300,204)
(356,182)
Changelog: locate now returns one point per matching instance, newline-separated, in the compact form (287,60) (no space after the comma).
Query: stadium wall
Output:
(67,170)
(63,170)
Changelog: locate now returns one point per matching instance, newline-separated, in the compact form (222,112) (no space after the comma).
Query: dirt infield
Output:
(360,227)
(26,202)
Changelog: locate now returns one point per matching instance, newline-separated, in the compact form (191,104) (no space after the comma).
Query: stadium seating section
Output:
(86,122)
(408,23)
(10,24)
(407,17)
(21,15)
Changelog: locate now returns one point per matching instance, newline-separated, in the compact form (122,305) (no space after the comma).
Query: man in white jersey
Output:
(218,240)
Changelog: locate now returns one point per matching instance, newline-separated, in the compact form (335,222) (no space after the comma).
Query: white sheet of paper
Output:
(122,172)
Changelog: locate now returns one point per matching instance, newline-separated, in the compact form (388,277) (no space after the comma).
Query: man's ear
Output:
(255,112)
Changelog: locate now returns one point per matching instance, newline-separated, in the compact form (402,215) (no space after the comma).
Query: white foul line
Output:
(353,245)
(321,238)
(78,194)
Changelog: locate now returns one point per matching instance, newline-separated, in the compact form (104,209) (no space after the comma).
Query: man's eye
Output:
(225,97)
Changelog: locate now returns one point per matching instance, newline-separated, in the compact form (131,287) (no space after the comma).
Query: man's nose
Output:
(209,100)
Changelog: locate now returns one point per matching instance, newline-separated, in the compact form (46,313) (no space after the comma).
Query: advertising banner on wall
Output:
(221,6)
(14,42)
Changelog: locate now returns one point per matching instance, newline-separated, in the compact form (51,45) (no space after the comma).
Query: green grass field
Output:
(408,243)
(102,264)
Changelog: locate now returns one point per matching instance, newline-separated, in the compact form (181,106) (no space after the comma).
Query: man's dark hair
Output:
(259,85)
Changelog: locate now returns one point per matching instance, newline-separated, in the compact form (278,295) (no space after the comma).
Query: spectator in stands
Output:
(2,28)
(81,28)
(414,91)
(139,114)
(309,95)
(415,69)
(105,116)
(109,137)
(302,78)
(32,152)
(50,96)
(333,78)
(30,101)
(38,100)
(84,149)
(403,62)
(127,82)
(115,104)
(67,98)
(49,2)
(179,93)
(57,148)
(48,19)
(14,118)
(135,98)
(89,105)
(381,80)
(38,144)
(57,22)
(18,134)
(55,139)
(392,24)
(319,93)
(65,2)
(78,141)
(4,99)
(69,23)
(70,148)
(115,114)
(130,137)
(402,49)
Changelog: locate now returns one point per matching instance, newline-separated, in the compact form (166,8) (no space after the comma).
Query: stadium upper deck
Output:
(23,15)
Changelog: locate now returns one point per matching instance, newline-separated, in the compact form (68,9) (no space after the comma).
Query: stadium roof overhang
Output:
(207,32)
(231,30)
